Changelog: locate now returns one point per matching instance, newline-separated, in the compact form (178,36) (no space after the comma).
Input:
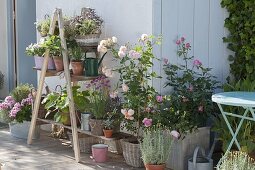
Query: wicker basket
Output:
(132,153)
(96,127)
(85,40)
(85,142)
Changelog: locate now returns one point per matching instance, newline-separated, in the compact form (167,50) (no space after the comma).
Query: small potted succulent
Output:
(37,50)
(85,28)
(76,56)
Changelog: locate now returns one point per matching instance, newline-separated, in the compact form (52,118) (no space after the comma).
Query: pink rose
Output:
(121,54)
(128,113)
(190,88)
(125,88)
(178,42)
(200,108)
(182,39)
(148,109)
(147,122)
(165,60)
(159,99)
(187,45)
(134,55)
(175,134)
(144,37)
(197,63)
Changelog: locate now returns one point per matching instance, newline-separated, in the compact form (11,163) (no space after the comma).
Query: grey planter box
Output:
(182,150)
(20,130)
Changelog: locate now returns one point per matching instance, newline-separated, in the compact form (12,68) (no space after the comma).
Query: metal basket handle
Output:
(196,153)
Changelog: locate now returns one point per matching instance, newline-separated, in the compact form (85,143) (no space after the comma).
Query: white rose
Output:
(123,49)
(125,88)
(101,49)
(114,40)
(103,43)
(144,37)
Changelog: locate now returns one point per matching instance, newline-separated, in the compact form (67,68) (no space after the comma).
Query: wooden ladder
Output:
(57,16)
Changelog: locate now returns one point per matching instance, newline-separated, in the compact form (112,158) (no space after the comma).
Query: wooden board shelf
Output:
(116,136)
(51,73)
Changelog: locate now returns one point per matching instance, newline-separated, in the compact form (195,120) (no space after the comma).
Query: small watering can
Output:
(92,65)
(202,162)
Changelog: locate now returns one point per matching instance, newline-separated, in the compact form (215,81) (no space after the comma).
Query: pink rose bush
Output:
(16,108)
(134,67)
(192,85)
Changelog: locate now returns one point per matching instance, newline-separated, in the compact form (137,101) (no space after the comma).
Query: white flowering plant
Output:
(134,66)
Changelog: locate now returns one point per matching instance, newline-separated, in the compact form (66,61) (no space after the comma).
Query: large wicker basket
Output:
(132,153)
(85,142)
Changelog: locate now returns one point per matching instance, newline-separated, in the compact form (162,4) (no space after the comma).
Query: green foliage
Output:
(241,41)
(246,135)
(1,80)
(21,92)
(156,145)
(236,160)
(76,53)
(36,49)
(43,26)
(58,103)
(87,27)
(53,43)
(193,86)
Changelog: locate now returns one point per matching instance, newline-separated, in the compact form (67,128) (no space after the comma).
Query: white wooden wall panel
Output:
(201,22)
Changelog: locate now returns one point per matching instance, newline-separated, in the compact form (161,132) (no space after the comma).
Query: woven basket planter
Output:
(85,40)
(132,153)
(96,127)
(85,142)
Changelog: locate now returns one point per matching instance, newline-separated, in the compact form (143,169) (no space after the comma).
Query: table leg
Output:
(234,135)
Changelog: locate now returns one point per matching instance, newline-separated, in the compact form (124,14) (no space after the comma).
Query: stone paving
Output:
(49,154)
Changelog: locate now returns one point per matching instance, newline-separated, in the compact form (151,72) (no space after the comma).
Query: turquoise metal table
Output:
(238,99)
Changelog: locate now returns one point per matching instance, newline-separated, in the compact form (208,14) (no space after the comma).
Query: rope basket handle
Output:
(60,87)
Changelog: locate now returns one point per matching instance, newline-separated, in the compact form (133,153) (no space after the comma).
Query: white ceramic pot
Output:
(20,130)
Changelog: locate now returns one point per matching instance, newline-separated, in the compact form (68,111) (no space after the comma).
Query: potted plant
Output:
(43,26)
(190,105)
(37,50)
(155,147)
(236,160)
(53,43)
(99,97)
(135,65)
(85,28)
(57,104)
(76,56)
(17,111)
(108,126)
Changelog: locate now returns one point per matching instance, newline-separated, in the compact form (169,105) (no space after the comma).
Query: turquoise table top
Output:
(238,98)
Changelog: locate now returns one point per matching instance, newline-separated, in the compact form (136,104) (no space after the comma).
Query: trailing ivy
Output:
(241,40)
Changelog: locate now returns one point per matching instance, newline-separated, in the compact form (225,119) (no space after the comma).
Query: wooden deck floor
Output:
(49,154)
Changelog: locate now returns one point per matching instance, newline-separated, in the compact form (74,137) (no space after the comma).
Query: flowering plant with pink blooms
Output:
(193,85)
(18,106)
(135,70)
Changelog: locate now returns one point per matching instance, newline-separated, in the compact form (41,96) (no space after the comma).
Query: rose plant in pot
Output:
(17,111)
(37,50)
(134,67)
(191,85)
(57,103)
(99,96)
(77,60)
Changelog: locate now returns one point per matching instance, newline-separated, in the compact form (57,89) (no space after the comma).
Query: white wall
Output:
(4,46)
(124,19)
(202,23)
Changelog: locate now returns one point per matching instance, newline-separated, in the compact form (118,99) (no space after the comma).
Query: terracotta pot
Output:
(108,133)
(77,67)
(154,167)
(58,63)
